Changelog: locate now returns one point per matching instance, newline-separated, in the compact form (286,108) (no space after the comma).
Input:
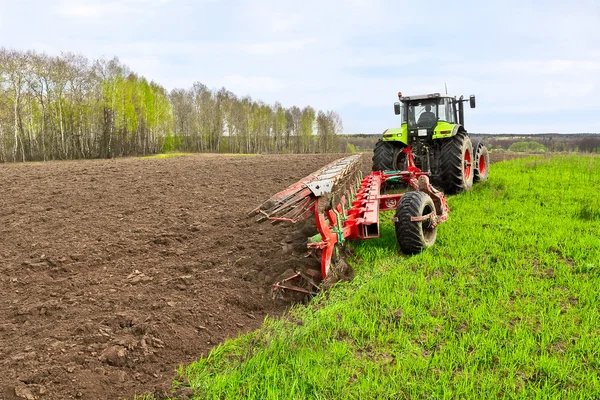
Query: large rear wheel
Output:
(388,156)
(482,162)
(457,164)
(414,236)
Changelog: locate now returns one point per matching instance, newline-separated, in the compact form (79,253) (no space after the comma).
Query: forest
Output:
(71,107)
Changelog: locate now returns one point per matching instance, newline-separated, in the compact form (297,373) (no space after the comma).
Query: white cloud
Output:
(73,9)
(534,86)
(251,84)
(102,9)
(537,127)
(276,48)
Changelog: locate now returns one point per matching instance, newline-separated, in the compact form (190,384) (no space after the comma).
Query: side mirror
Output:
(397,108)
(472,101)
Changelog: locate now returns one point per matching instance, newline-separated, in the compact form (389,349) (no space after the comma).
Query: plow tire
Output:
(482,159)
(388,156)
(414,237)
(457,164)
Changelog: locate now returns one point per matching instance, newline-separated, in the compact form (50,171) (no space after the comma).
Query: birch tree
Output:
(70,107)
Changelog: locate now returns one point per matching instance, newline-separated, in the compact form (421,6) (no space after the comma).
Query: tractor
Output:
(430,151)
(432,126)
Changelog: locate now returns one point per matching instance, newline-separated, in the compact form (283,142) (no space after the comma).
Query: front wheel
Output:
(414,236)
(388,156)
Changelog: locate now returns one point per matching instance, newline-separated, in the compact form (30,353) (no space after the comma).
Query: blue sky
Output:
(534,65)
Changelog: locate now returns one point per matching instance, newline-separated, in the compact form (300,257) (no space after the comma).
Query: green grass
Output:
(166,155)
(506,304)
(169,155)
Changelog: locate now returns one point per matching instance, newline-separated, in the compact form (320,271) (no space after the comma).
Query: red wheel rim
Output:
(467,164)
(482,165)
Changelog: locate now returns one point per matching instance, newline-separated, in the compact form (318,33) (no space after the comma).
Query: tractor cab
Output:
(430,116)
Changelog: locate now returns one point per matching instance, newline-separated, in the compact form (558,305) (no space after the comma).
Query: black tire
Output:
(388,156)
(414,237)
(456,164)
(482,162)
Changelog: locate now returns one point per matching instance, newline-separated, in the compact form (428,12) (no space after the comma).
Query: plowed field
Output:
(113,272)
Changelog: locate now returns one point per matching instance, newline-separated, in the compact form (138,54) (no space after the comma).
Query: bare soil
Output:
(114,272)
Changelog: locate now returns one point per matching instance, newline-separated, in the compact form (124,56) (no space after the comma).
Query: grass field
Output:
(178,154)
(506,304)
(166,155)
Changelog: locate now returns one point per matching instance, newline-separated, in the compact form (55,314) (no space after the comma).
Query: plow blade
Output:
(297,201)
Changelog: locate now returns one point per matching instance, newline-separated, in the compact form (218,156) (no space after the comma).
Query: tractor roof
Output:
(424,97)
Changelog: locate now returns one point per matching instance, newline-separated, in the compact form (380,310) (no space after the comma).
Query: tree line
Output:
(70,107)
(584,143)
(580,142)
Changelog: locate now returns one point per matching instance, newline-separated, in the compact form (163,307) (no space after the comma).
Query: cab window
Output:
(450,111)
(422,114)
(443,110)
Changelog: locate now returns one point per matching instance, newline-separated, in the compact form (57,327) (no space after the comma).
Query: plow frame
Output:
(354,217)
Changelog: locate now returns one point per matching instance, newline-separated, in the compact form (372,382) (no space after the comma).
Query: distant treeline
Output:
(359,142)
(68,107)
(582,142)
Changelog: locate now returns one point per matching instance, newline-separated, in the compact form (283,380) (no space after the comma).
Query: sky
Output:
(533,65)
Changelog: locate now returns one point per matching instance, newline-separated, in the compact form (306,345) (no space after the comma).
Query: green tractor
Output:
(432,127)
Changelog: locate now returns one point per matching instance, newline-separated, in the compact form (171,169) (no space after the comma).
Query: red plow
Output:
(345,206)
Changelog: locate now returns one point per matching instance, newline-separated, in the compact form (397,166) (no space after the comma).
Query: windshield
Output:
(422,114)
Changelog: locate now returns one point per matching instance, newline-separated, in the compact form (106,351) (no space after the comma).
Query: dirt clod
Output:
(114,355)
(24,393)
(137,277)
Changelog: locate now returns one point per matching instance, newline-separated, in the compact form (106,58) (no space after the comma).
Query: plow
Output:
(345,205)
(431,145)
